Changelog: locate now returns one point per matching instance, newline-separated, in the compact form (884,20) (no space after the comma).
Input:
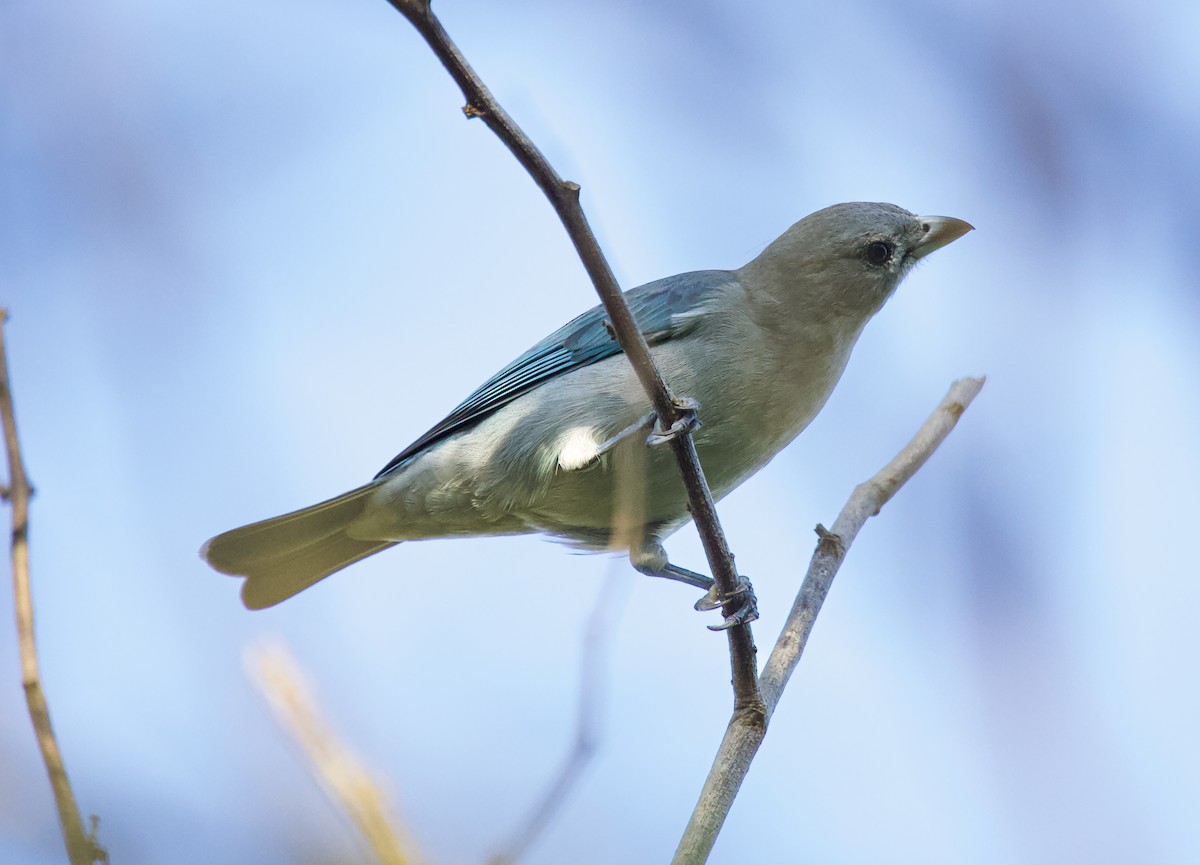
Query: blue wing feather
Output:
(660,309)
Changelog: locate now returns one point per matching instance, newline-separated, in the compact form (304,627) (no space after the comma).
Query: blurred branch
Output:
(600,626)
(741,741)
(344,779)
(629,524)
(82,847)
(564,196)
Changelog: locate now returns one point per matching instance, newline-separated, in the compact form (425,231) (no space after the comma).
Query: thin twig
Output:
(741,741)
(82,847)
(564,196)
(592,676)
(339,772)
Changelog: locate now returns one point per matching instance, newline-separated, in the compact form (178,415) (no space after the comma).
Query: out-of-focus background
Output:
(252,250)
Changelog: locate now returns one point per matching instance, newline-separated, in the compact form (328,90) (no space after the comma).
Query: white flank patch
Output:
(577,448)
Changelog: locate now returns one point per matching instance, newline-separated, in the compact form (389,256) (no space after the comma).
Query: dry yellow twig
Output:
(343,777)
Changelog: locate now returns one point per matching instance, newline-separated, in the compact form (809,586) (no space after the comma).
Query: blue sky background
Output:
(252,250)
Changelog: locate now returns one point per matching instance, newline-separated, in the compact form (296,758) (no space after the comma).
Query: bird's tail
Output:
(285,555)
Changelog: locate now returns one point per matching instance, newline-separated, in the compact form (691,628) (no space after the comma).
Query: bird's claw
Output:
(688,421)
(746,612)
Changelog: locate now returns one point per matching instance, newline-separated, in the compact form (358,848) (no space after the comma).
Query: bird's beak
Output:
(939,231)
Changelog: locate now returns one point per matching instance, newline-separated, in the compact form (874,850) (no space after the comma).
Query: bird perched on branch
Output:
(539,446)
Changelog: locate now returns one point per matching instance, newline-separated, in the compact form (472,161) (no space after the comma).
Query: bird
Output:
(560,441)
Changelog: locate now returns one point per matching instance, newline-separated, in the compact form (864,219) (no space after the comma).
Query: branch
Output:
(592,685)
(741,742)
(564,196)
(348,784)
(82,847)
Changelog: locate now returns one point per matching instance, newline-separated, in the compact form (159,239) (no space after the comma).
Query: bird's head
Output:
(846,260)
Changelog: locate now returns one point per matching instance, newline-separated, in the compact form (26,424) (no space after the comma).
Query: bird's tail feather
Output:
(285,555)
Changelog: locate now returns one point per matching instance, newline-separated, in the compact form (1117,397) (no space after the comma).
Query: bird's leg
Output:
(688,421)
(646,422)
(651,560)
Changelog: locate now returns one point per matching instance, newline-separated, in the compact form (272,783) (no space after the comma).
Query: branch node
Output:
(876,493)
(472,110)
(753,716)
(829,543)
(571,190)
(99,852)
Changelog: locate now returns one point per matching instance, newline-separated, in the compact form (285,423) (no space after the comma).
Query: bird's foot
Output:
(688,421)
(742,595)
(651,560)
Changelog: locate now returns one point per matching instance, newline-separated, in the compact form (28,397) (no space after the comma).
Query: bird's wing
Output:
(664,310)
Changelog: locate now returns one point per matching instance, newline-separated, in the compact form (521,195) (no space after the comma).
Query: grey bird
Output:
(551,442)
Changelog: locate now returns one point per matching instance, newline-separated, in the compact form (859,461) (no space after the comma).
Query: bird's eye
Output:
(879,252)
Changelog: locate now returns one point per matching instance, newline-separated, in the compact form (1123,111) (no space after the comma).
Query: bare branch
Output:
(741,741)
(343,777)
(564,196)
(82,847)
